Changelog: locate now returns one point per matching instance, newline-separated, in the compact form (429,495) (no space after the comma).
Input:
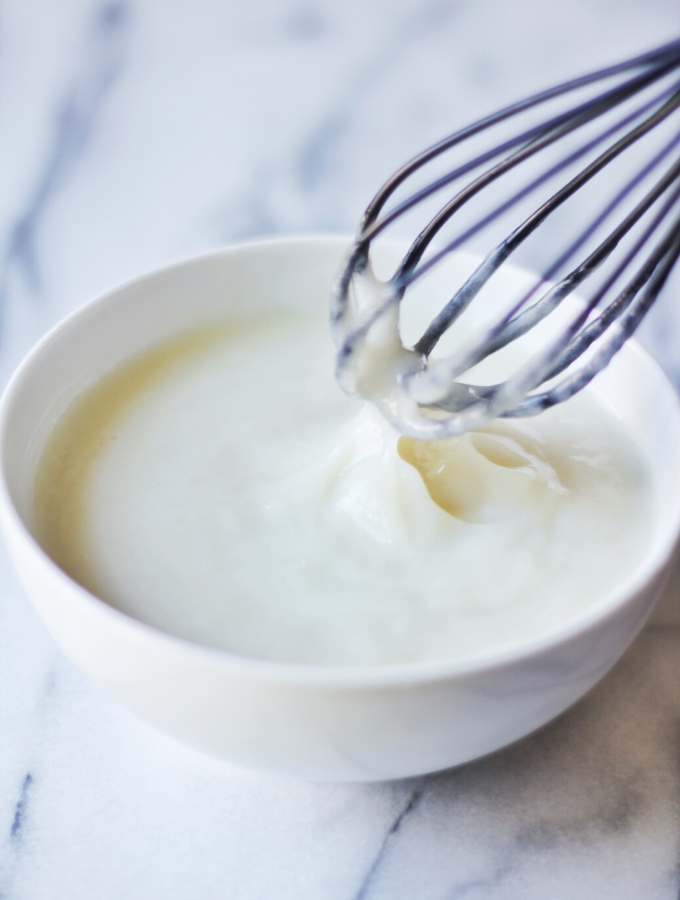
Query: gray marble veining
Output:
(138,132)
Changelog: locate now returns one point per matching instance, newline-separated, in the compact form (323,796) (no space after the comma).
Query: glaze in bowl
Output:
(321,722)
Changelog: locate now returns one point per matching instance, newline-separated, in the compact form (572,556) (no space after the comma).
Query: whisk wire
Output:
(469,290)
(596,327)
(665,57)
(537,371)
(434,383)
(537,217)
(527,318)
(660,268)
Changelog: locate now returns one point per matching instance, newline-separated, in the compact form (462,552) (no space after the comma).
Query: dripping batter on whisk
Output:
(612,134)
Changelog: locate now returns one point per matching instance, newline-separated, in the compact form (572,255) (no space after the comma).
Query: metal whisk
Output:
(632,242)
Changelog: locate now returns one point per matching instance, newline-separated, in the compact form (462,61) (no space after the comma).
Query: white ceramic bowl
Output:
(345,724)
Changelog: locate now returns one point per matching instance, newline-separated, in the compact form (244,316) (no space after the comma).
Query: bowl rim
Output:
(305,674)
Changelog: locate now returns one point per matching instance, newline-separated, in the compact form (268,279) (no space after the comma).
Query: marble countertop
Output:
(136,133)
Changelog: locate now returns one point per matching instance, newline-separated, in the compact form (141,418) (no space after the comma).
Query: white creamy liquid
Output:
(223,489)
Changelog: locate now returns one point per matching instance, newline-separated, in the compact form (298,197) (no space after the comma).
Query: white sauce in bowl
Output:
(221,488)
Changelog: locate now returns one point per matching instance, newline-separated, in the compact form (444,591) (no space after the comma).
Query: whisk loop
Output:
(424,397)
